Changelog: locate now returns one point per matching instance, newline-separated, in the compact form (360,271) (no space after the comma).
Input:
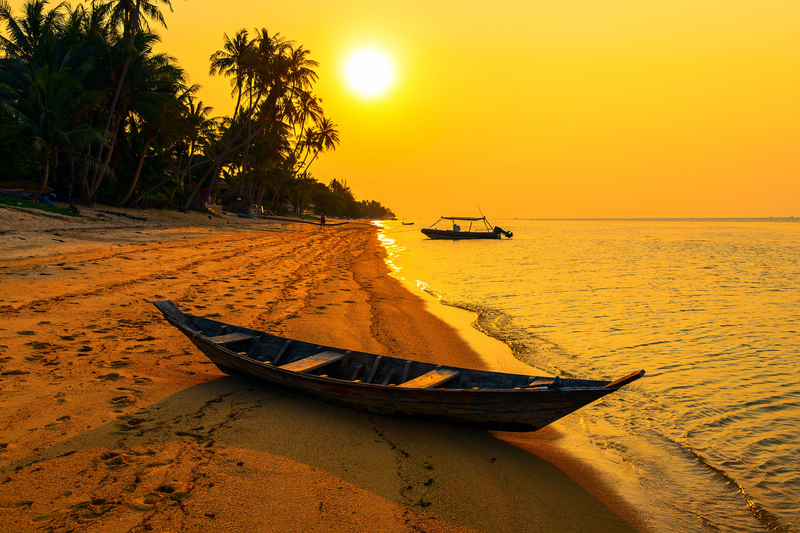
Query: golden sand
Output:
(110,420)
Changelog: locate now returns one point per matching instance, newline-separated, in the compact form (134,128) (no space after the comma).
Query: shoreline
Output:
(499,357)
(94,382)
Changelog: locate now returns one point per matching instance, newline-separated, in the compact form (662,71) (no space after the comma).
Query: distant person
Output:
(456,227)
(322,219)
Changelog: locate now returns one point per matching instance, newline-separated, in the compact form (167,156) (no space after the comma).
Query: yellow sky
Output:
(532,109)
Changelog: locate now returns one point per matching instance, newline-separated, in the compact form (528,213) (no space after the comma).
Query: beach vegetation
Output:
(20,159)
(105,117)
(30,204)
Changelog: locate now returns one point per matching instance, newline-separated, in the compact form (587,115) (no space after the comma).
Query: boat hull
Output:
(459,235)
(494,403)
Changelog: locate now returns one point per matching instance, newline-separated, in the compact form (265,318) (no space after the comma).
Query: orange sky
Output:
(534,109)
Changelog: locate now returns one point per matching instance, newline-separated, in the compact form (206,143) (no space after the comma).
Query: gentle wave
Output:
(708,308)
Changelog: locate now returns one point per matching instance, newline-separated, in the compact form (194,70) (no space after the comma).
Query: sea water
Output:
(709,439)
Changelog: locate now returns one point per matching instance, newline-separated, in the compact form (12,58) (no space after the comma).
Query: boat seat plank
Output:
(284,349)
(434,378)
(255,345)
(231,338)
(313,362)
(375,367)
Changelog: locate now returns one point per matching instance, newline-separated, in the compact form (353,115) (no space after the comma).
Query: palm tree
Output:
(144,72)
(302,187)
(157,109)
(128,14)
(32,36)
(45,112)
(232,61)
(322,139)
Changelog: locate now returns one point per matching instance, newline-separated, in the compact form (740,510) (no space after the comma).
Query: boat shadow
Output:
(460,474)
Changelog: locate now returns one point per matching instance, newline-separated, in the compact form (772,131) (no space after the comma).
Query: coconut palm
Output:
(232,62)
(45,111)
(31,38)
(127,13)
(156,109)
(322,139)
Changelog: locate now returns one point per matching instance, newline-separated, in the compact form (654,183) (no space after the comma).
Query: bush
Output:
(21,161)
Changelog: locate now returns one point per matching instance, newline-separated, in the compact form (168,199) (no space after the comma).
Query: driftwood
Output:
(126,215)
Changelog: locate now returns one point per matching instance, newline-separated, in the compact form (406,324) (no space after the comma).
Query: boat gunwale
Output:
(527,408)
(597,385)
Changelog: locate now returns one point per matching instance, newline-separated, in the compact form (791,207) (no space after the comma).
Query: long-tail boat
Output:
(391,385)
(457,232)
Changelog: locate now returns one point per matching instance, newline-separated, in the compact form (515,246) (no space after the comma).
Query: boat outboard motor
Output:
(500,231)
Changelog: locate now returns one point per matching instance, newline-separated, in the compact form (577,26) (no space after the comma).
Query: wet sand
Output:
(110,420)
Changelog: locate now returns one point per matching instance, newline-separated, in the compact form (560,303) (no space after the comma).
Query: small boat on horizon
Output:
(407,223)
(391,385)
(456,232)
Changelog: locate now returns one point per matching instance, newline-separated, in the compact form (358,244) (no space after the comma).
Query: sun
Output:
(369,72)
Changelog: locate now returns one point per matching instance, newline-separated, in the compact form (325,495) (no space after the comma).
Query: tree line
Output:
(90,108)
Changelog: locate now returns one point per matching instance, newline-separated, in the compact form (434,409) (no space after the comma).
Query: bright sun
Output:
(369,72)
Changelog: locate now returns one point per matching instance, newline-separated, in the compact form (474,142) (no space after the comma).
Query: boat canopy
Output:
(464,218)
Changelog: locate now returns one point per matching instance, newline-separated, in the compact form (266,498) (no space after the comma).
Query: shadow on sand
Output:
(462,475)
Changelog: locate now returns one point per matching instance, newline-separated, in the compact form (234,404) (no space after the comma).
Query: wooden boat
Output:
(407,223)
(488,232)
(389,385)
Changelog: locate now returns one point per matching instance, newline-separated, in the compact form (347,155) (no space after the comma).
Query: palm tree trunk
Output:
(139,165)
(213,167)
(261,194)
(45,177)
(211,187)
(112,108)
(151,189)
(85,176)
(316,153)
(101,171)
(172,195)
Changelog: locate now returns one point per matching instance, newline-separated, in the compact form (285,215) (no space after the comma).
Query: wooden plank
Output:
(255,345)
(313,362)
(434,378)
(406,372)
(374,368)
(230,338)
(358,370)
(625,380)
(284,349)
(348,355)
(536,384)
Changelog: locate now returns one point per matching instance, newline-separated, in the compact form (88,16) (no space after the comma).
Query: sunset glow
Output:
(534,109)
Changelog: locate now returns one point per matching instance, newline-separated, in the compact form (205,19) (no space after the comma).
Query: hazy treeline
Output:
(90,109)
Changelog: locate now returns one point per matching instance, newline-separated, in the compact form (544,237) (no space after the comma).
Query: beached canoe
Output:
(389,385)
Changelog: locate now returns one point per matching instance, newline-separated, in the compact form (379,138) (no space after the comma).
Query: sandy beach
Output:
(110,420)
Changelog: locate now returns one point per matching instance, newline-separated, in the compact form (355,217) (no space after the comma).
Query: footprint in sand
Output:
(50,425)
(112,364)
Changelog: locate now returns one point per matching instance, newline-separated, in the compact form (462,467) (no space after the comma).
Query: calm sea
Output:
(709,439)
